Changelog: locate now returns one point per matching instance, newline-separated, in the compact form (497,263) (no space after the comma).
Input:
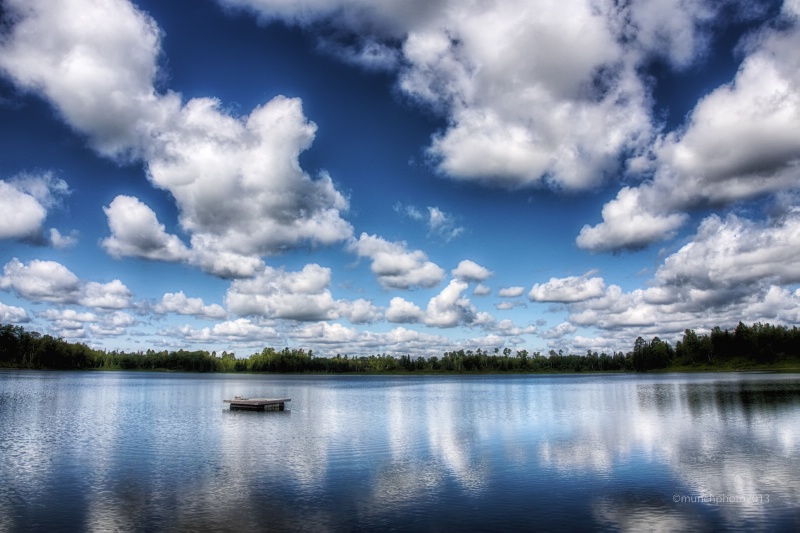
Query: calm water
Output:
(151,451)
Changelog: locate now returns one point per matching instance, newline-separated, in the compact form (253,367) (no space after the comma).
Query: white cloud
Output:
(334,338)
(24,202)
(136,232)
(507,328)
(471,271)
(241,330)
(177,302)
(222,263)
(41,281)
(629,222)
(394,265)
(733,269)
(97,67)
(324,333)
(409,210)
(63,241)
(359,311)
(112,295)
(449,308)
(302,295)
(440,224)
(443,224)
(68,319)
(777,303)
(480,289)
(736,253)
(534,94)
(20,214)
(569,289)
(11,314)
(739,142)
(404,312)
(104,330)
(542,123)
(270,203)
(561,330)
(511,292)
(49,281)
(670,29)
(74,324)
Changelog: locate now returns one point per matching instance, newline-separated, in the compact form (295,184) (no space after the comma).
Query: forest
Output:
(746,347)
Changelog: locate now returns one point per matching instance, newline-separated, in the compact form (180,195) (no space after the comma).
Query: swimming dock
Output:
(257,404)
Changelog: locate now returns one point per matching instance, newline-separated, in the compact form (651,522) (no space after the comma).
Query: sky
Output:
(397,176)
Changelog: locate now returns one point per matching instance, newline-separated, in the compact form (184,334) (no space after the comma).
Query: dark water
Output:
(150,451)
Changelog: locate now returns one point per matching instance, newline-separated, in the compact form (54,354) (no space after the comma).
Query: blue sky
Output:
(397,177)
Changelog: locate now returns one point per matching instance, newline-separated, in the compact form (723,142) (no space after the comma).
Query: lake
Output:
(159,451)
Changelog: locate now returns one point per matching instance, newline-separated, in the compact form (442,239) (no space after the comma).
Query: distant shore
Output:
(760,347)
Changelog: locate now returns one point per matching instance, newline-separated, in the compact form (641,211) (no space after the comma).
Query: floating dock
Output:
(257,404)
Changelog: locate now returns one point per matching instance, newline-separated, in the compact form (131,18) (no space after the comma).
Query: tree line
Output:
(745,346)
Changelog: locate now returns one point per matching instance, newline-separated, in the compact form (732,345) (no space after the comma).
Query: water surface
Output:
(156,451)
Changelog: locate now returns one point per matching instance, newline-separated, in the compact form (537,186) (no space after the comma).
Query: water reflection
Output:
(124,451)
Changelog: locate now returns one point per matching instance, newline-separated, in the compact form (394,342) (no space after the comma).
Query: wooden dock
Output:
(257,404)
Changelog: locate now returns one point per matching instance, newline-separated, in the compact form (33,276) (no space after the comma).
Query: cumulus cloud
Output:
(518,113)
(561,330)
(733,269)
(404,312)
(450,308)
(136,232)
(11,314)
(740,139)
(111,295)
(49,281)
(71,323)
(329,339)
(481,290)
(394,265)
(41,281)
(569,289)
(20,214)
(270,202)
(739,142)
(511,292)
(735,253)
(629,222)
(63,241)
(24,202)
(507,328)
(98,66)
(359,311)
(241,330)
(177,302)
(302,295)
(471,271)
(324,333)
(520,129)
(68,319)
